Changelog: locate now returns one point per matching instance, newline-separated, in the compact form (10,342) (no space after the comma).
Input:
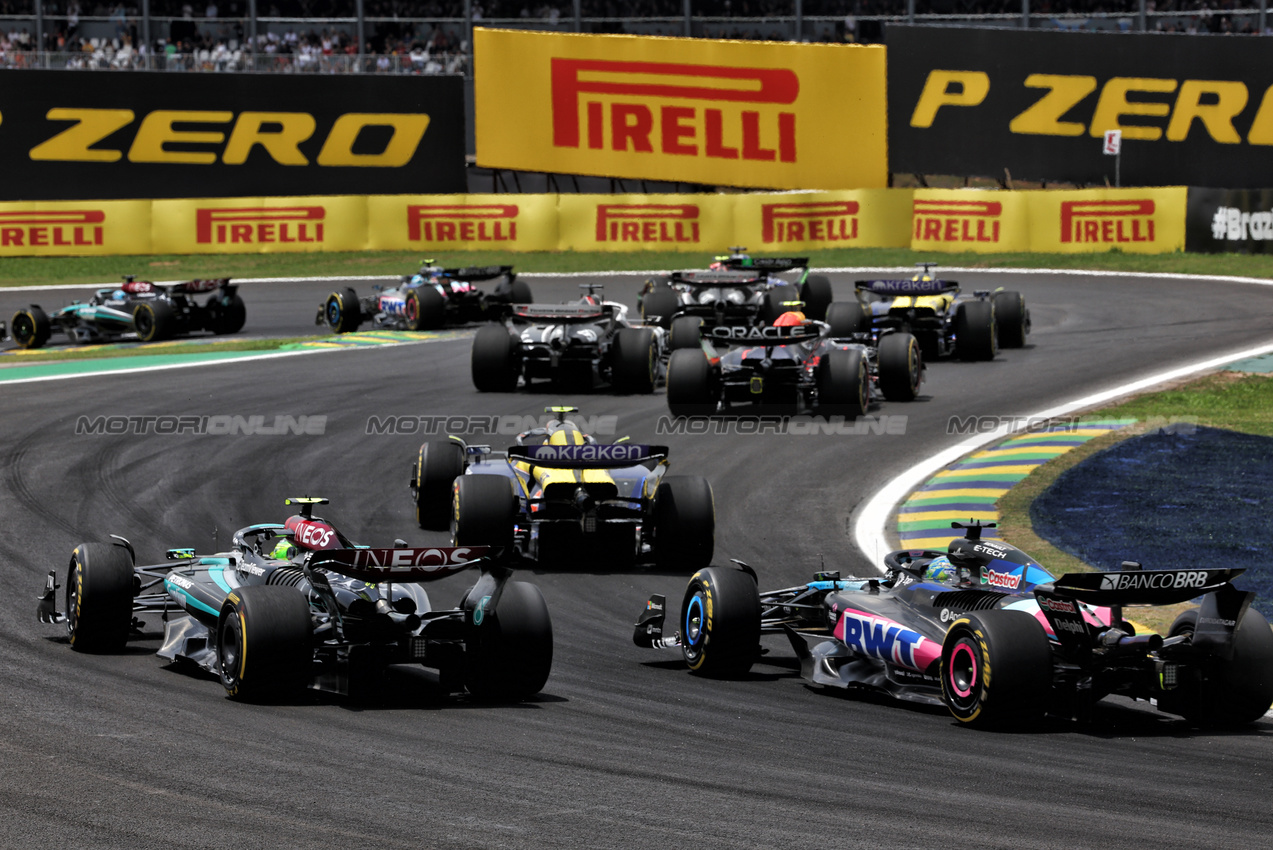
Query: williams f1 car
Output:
(558,494)
(428,300)
(580,344)
(151,311)
(990,634)
(945,320)
(297,605)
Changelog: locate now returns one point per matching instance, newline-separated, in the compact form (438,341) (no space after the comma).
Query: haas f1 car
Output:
(428,300)
(988,633)
(558,494)
(297,605)
(151,311)
(580,344)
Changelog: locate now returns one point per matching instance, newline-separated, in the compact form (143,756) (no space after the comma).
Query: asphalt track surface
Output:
(624,748)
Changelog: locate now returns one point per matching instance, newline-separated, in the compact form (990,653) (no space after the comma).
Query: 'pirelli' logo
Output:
(1107,221)
(51,228)
(462,223)
(678,128)
(653,223)
(957,221)
(259,225)
(826,221)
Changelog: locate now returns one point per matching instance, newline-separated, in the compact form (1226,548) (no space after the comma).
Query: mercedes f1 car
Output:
(559,493)
(151,311)
(793,368)
(580,344)
(428,300)
(990,634)
(297,605)
(945,320)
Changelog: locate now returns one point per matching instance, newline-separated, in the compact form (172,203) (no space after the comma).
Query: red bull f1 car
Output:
(151,311)
(431,299)
(560,495)
(297,604)
(987,632)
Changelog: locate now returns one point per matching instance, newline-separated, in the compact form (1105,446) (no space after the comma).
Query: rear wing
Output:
(562,313)
(1142,587)
(744,335)
(906,287)
(594,456)
(715,279)
(202,285)
(479,272)
(403,565)
(768,264)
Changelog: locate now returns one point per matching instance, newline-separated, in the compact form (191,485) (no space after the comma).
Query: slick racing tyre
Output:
(99,597)
(816,294)
(634,360)
(691,384)
(30,328)
(684,522)
(844,386)
(154,321)
(976,335)
(510,653)
(1012,318)
(483,511)
(341,311)
(772,306)
(901,367)
(519,293)
(424,309)
(496,359)
(660,303)
(439,464)
(265,642)
(686,333)
(1014,646)
(226,315)
(720,622)
(1227,692)
(847,318)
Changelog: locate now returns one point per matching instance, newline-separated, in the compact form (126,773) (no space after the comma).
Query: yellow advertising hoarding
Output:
(867,218)
(730,113)
(980,221)
(1140,221)
(645,222)
(74,228)
(260,225)
(462,222)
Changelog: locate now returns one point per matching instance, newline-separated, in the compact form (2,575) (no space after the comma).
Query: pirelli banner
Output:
(1192,111)
(65,134)
(728,113)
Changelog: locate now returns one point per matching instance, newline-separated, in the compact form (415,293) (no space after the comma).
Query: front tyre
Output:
(816,294)
(510,653)
(440,462)
(483,512)
(660,304)
(848,318)
(264,642)
(976,335)
(686,333)
(720,622)
(99,597)
(996,669)
(1012,318)
(341,311)
(901,367)
(30,328)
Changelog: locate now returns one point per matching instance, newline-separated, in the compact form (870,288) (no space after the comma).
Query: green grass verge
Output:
(99,352)
(67,270)
(1222,400)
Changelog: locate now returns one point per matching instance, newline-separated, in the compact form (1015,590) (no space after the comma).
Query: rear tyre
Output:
(847,318)
(439,464)
(976,337)
(634,359)
(424,309)
(686,333)
(843,384)
(684,522)
(771,306)
(1013,645)
(661,303)
(229,314)
(510,653)
(30,328)
(265,642)
(341,311)
(720,622)
(496,362)
(1012,318)
(1232,692)
(154,321)
(691,388)
(816,294)
(99,597)
(519,293)
(483,511)
(900,366)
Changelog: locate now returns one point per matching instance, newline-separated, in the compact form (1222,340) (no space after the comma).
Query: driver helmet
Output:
(941,571)
(592,299)
(566,435)
(284,550)
(791,318)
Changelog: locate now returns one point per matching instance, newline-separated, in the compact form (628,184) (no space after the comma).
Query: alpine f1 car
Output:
(801,365)
(559,494)
(738,291)
(945,320)
(580,344)
(297,605)
(428,300)
(990,634)
(151,311)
